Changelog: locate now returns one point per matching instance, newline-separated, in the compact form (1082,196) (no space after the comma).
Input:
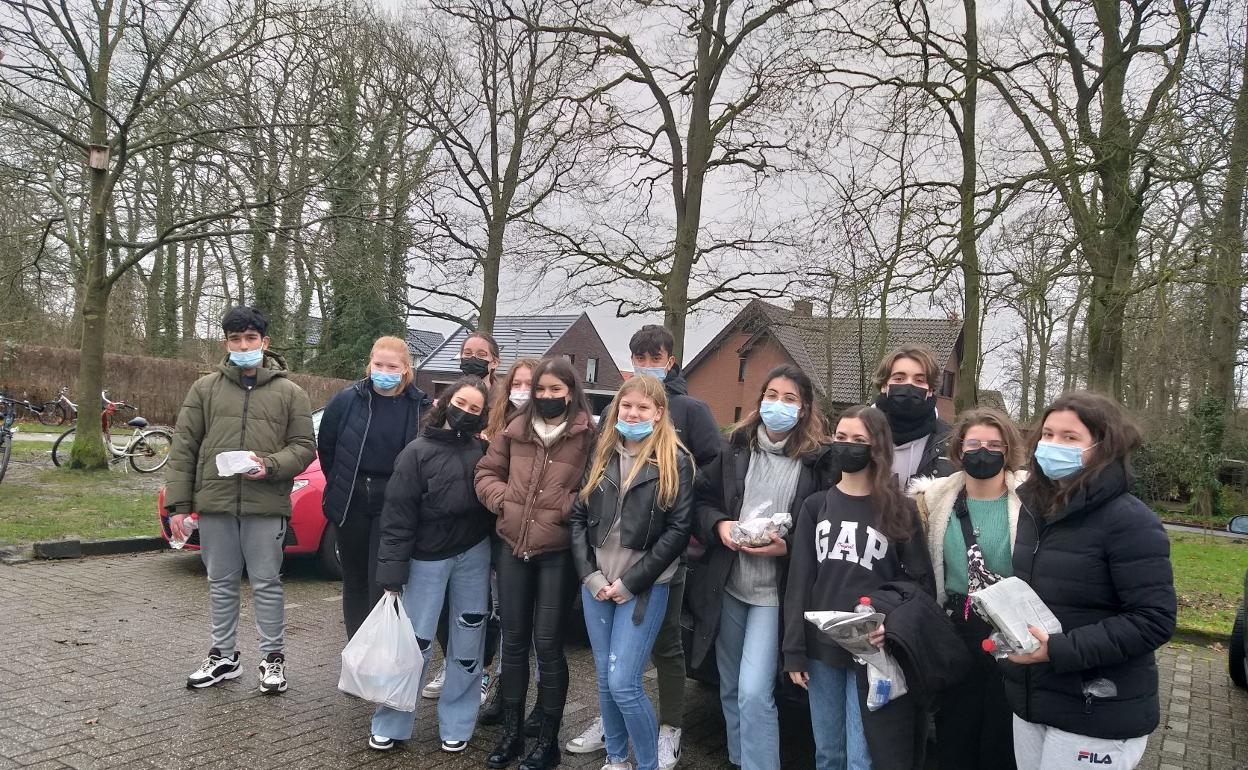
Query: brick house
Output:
(839,355)
(572,336)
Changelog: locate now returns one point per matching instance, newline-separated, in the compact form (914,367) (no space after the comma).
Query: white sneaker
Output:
(433,688)
(590,741)
(618,766)
(669,747)
(488,683)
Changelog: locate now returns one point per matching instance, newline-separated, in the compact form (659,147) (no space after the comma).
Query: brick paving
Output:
(94,654)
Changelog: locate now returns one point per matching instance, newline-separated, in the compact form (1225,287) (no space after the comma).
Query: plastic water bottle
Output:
(189,524)
(864,606)
(998,646)
(878,692)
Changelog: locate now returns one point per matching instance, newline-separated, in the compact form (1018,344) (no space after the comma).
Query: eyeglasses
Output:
(971,444)
(787,398)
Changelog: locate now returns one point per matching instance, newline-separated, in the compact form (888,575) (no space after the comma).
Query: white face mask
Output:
(519,397)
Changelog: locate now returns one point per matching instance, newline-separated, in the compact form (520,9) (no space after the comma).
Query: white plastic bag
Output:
(755,527)
(229,463)
(885,681)
(1009,606)
(382,663)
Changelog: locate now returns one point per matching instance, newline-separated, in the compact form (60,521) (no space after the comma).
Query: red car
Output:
(308,532)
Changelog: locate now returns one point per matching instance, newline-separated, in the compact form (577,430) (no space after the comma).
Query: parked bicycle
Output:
(147,448)
(6,432)
(56,412)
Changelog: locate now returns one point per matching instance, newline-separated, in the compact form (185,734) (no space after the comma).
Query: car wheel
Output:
(1238,664)
(327,554)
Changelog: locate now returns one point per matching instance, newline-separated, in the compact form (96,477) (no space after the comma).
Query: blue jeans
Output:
(836,718)
(621,650)
(747,650)
(464,580)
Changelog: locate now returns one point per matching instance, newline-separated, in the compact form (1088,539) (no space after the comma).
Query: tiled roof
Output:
(853,352)
(517,336)
(994,399)
(422,342)
(419,341)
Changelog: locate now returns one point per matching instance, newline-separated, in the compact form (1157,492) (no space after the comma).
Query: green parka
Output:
(272,419)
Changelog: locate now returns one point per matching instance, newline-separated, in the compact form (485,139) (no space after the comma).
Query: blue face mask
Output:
(385,380)
(778,416)
(634,431)
(249,359)
(657,372)
(1059,461)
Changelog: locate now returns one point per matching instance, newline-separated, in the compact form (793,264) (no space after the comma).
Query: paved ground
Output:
(93,656)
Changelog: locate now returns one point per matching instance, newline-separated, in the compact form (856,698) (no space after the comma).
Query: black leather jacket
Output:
(662,533)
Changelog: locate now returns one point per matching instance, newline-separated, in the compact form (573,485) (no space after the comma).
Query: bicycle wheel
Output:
(60,450)
(150,451)
(53,413)
(6,449)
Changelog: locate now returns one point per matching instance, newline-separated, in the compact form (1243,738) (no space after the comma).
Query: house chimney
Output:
(803,308)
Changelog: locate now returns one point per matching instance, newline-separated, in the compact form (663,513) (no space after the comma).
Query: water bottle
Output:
(878,691)
(998,646)
(863,608)
(189,524)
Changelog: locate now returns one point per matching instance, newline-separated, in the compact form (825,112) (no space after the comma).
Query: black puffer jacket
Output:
(344,425)
(431,511)
(694,423)
(662,533)
(1102,566)
(721,488)
(935,460)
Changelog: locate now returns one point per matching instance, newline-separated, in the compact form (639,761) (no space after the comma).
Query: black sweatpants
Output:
(896,734)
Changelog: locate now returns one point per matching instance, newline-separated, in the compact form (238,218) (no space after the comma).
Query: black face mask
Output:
(550,408)
(461,421)
(851,457)
(477,367)
(905,401)
(983,463)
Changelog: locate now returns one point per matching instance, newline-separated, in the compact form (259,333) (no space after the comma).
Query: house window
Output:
(947,380)
(741,369)
(736,413)
(591,370)
(571,357)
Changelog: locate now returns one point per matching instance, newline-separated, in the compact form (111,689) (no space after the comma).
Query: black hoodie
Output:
(694,423)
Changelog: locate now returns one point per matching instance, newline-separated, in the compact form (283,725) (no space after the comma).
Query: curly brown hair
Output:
(811,431)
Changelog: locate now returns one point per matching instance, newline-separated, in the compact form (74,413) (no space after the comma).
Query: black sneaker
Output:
(214,668)
(273,673)
(454,747)
(380,743)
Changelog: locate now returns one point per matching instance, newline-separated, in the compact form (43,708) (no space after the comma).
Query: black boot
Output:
(545,754)
(511,745)
(492,710)
(533,722)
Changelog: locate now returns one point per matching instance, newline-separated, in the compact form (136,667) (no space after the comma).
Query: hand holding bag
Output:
(382,663)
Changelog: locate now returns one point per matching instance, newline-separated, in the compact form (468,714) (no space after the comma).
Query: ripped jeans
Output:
(462,580)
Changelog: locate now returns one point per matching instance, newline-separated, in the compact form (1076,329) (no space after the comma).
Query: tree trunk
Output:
(88,451)
(967,396)
(1226,288)
(490,270)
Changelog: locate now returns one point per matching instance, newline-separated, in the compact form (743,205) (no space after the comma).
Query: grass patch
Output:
(1209,581)
(57,503)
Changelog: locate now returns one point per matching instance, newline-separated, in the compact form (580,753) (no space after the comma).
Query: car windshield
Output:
(316,422)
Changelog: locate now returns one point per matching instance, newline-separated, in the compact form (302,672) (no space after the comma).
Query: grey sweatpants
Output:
(1037,747)
(227,544)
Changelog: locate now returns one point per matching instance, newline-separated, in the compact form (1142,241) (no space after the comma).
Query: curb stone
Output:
(75,549)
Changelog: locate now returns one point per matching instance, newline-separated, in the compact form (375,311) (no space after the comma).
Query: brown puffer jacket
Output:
(530,486)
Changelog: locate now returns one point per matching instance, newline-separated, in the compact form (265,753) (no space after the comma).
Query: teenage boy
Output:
(249,404)
(907,379)
(651,349)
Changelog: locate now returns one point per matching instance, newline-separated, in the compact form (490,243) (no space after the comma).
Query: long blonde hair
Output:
(659,448)
(398,347)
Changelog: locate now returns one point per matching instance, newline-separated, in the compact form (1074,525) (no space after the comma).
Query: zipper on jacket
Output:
(531,503)
(242,444)
(619,506)
(358,457)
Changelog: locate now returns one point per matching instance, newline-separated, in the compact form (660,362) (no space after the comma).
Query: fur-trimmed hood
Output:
(935,498)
